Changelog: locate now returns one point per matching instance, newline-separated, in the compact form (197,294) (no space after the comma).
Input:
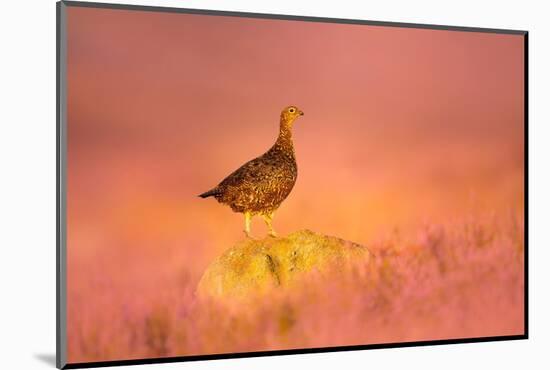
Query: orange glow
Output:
(403,128)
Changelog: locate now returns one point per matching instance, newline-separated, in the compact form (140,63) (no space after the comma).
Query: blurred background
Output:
(402,128)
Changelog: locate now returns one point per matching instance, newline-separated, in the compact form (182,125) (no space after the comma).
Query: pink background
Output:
(402,127)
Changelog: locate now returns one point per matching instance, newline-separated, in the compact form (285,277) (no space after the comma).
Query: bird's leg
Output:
(247,219)
(268,218)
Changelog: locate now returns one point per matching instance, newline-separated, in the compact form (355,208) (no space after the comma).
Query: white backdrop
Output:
(27,185)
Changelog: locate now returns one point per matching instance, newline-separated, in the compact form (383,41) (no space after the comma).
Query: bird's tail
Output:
(210,193)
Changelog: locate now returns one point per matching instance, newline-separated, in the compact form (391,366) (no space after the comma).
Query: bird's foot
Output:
(248,235)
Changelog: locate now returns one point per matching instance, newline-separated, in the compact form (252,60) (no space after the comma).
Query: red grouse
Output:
(259,186)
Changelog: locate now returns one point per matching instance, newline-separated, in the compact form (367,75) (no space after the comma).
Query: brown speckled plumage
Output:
(260,186)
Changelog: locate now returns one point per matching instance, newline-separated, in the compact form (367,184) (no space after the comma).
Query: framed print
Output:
(237,184)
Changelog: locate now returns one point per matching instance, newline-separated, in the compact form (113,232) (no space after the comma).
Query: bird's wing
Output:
(255,171)
(258,185)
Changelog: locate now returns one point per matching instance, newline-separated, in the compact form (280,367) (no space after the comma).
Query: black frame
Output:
(61,158)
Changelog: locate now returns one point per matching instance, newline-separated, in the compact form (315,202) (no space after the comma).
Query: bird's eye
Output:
(292,110)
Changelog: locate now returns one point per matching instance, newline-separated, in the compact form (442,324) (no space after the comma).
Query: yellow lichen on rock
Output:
(255,266)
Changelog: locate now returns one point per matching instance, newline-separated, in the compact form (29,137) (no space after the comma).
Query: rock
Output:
(253,266)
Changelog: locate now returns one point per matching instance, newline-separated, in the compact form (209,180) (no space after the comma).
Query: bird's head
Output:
(290,113)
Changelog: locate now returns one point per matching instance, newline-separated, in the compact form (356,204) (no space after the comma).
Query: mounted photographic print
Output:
(237,184)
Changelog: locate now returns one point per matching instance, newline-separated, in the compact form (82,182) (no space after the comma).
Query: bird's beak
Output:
(301,113)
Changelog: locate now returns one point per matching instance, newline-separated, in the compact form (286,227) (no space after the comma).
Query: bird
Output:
(261,185)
